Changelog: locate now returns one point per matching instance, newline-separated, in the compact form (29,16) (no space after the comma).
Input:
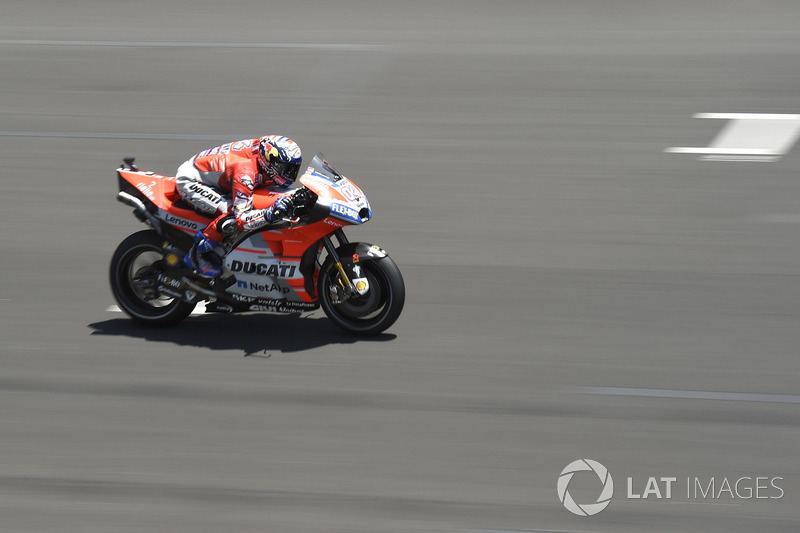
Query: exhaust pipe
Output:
(139,209)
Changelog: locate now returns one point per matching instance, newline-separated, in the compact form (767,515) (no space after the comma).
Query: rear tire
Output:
(373,312)
(132,273)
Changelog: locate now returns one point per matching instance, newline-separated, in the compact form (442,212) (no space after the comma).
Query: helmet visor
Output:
(285,172)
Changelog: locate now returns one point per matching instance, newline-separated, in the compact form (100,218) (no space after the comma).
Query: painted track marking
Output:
(114,135)
(344,47)
(752,137)
(690,394)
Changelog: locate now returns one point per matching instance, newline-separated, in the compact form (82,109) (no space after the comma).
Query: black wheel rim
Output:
(367,308)
(137,281)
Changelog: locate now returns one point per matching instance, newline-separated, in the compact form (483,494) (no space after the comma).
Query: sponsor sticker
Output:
(345,212)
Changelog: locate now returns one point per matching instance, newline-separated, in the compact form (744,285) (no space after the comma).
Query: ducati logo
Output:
(263,269)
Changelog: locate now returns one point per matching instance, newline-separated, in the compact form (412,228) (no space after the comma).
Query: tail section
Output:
(157,203)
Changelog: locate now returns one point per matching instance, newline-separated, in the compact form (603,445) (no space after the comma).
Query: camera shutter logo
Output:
(588,509)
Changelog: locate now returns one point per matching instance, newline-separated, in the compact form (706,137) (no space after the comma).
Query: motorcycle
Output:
(292,266)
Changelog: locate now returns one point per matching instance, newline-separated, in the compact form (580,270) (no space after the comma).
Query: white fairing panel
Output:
(259,273)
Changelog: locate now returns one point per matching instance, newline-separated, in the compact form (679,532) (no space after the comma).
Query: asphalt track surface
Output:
(573,290)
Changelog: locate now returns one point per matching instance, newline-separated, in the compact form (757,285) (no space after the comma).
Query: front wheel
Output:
(133,275)
(370,313)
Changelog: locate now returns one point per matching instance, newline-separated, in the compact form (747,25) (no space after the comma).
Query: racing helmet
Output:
(280,159)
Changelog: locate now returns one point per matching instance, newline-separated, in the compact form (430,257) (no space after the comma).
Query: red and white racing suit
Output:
(231,168)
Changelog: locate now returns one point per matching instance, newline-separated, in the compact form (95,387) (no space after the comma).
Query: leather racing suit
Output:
(231,169)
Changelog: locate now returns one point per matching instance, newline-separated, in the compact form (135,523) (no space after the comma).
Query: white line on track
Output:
(344,47)
(528,531)
(782,218)
(748,116)
(690,394)
(743,158)
(114,135)
(713,150)
(754,137)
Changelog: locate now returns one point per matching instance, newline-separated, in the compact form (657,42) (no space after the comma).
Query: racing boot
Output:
(204,257)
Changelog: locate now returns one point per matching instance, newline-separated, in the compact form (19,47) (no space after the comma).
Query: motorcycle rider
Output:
(220,181)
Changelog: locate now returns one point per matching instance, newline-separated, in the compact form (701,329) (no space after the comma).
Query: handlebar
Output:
(302,202)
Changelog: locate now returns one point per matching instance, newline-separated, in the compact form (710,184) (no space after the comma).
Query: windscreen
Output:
(321,166)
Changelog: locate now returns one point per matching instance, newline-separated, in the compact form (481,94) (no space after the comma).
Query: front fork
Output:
(348,287)
(344,279)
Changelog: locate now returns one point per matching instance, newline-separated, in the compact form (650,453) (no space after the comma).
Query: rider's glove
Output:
(280,208)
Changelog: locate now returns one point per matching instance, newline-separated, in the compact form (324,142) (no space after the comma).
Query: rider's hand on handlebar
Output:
(281,208)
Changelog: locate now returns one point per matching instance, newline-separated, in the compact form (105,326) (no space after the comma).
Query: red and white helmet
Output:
(280,159)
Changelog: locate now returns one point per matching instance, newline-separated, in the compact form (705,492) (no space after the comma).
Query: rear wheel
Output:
(133,275)
(370,313)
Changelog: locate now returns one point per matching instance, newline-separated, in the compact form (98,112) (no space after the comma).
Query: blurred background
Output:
(574,291)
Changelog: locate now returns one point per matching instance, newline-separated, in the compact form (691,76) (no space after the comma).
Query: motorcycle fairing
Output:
(344,199)
(262,270)
(162,199)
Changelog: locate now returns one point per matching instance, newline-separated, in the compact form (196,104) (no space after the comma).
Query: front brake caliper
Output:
(335,292)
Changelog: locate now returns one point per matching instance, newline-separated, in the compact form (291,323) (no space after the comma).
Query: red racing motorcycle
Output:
(292,266)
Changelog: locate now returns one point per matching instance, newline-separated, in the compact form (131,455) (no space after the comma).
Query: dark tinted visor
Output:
(287,171)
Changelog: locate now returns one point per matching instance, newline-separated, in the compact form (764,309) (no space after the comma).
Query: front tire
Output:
(367,314)
(133,271)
